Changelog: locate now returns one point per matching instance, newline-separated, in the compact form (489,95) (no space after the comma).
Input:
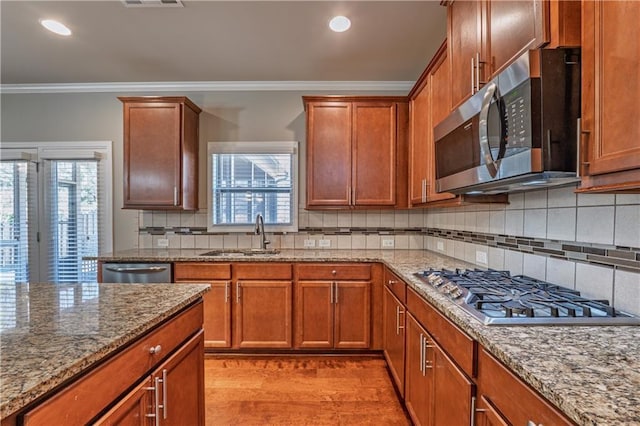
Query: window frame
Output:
(254,147)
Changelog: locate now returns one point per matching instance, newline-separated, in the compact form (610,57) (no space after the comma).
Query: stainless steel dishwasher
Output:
(136,272)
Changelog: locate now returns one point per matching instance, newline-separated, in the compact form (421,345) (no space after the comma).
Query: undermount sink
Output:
(240,252)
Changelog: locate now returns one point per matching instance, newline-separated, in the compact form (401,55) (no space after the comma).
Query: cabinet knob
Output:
(334,272)
(155,349)
(392,282)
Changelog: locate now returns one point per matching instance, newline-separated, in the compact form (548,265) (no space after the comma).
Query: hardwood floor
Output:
(300,390)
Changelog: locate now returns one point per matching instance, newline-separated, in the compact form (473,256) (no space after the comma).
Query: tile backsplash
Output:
(589,242)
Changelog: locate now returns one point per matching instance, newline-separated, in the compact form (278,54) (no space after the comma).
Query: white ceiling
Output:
(218,41)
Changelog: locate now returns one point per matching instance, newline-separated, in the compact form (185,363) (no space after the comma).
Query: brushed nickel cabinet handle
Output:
(155,349)
(226,292)
(237,292)
(164,393)
(336,292)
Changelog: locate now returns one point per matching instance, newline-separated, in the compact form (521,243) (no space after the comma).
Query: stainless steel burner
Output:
(497,298)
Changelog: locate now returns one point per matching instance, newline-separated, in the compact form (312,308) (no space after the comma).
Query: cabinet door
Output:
(394,326)
(181,382)
(454,391)
(487,415)
(263,314)
(217,313)
(418,396)
(611,93)
(314,314)
(420,124)
(352,326)
(439,79)
(514,27)
(464,45)
(152,138)
(329,154)
(132,410)
(217,301)
(374,151)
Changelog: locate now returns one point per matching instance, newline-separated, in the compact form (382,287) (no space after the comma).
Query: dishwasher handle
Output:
(143,270)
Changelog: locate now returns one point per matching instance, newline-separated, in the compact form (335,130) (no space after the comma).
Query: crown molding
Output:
(207,86)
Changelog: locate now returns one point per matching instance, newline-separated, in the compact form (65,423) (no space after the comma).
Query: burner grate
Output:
(498,297)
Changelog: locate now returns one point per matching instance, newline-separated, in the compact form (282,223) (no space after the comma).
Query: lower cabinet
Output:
(165,397)
(217,301)
(394,314)
(165,369)
(437,392)
(263,306)
(505,399)
(333,306)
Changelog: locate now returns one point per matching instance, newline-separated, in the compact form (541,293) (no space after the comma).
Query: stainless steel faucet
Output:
(260,231)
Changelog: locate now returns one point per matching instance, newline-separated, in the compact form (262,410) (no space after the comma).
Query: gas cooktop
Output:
(497,298)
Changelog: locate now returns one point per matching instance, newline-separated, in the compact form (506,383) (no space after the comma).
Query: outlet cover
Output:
(481,257)
(163,242)
(388,242)
(324,243)
(439,246)
(309,243)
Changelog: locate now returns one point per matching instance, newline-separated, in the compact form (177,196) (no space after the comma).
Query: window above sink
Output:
(250,178)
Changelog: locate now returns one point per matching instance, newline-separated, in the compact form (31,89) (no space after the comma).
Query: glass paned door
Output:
(72,199)
(15,196)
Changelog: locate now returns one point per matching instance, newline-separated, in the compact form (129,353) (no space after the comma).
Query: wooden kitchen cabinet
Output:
(217,301)
(165,393)
(333,306)
(486,36)
(394,313)
(263,306)
(610,96)
(160,153)
(436,390)
(176,347)
(505,399)
(430,103)
(464,39)
(356,151)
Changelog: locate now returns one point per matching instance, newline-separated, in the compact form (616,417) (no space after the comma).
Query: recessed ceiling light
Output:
(56,27)
(339,24)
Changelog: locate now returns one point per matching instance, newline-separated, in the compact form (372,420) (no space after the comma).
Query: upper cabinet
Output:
(610,137)
(356,151)
(430,102)
(485,36)
(160,153)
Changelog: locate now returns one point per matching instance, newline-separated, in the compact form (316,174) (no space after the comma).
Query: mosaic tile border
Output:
(614,256)
(627,258)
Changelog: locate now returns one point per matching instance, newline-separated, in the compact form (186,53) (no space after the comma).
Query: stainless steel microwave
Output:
(518,132)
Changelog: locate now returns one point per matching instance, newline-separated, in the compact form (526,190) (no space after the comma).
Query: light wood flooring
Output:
(300,390)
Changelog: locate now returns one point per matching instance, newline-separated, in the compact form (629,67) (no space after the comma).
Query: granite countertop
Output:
(52,332)
(592,373)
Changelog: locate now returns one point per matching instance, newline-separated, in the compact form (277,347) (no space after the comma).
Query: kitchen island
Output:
(55,335)
(591,373)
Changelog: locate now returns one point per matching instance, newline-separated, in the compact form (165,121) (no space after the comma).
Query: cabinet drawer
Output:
(324,271)
(397,286)
(262,271)
(201,271)
(454,341)
(83,399)
(513,398)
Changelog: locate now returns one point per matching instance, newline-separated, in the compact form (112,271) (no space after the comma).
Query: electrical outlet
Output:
(309,243)
(481,257)
(324,243)
(439,246)
(163,242)
(388,242)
